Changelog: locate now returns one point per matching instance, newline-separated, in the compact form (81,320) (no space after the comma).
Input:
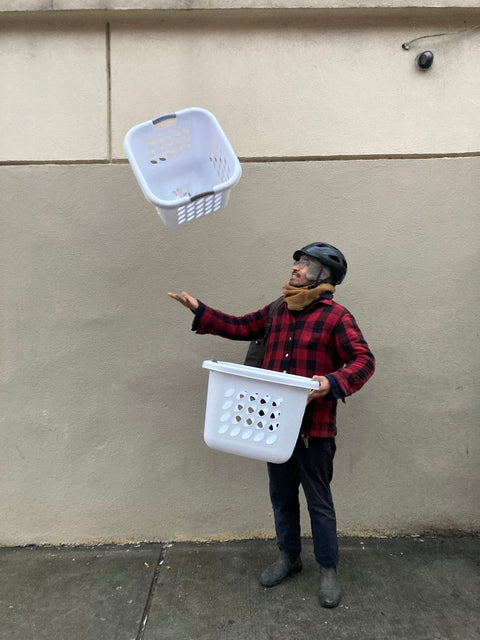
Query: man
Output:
(313,336)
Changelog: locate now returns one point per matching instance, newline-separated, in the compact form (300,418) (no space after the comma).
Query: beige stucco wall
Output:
(341,138)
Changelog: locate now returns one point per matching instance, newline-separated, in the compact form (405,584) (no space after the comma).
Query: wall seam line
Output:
(109,92)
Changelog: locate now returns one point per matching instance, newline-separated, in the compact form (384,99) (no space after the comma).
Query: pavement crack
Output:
(151,592)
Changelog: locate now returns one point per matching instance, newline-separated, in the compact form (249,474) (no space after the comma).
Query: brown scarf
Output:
(298,298)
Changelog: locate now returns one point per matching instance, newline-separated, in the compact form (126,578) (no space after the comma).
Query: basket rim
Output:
(266,375)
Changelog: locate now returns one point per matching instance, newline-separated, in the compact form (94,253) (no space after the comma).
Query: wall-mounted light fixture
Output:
(424,60)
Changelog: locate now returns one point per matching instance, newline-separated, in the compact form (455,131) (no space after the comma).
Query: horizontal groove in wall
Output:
(263,159)
(388,156)
(20,163)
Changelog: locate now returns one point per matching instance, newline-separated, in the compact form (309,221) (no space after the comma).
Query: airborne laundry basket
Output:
(254,412)
(184,164)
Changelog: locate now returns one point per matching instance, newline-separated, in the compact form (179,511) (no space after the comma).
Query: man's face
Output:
(299,272)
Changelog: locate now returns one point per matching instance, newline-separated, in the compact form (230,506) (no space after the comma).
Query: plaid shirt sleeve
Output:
(358,361)
(248,327)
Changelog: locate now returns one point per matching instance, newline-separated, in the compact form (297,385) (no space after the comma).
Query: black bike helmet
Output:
(329,256)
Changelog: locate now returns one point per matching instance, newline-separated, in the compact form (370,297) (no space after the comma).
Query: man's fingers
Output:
(185,299)
(178,297)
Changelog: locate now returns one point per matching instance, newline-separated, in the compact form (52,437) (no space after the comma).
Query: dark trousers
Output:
(311,467)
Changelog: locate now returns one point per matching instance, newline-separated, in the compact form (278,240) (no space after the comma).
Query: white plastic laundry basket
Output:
(254,412)
(184,164)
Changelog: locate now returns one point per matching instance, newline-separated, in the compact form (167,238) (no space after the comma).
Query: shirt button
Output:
(286,355)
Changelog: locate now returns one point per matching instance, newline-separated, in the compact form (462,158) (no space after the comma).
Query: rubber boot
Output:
(281,569)
(329,593)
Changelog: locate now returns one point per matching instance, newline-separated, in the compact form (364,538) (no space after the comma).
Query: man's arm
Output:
(358,360)
(215,322)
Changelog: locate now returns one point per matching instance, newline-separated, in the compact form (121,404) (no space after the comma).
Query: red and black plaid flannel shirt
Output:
(322,339)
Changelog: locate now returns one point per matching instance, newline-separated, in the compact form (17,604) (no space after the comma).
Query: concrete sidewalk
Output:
(393,589)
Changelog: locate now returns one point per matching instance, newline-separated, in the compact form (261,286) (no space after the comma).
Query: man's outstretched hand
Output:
(185,299)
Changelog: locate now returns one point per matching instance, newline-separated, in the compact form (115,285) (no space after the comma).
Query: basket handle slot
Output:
(202,195)
(162,123)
